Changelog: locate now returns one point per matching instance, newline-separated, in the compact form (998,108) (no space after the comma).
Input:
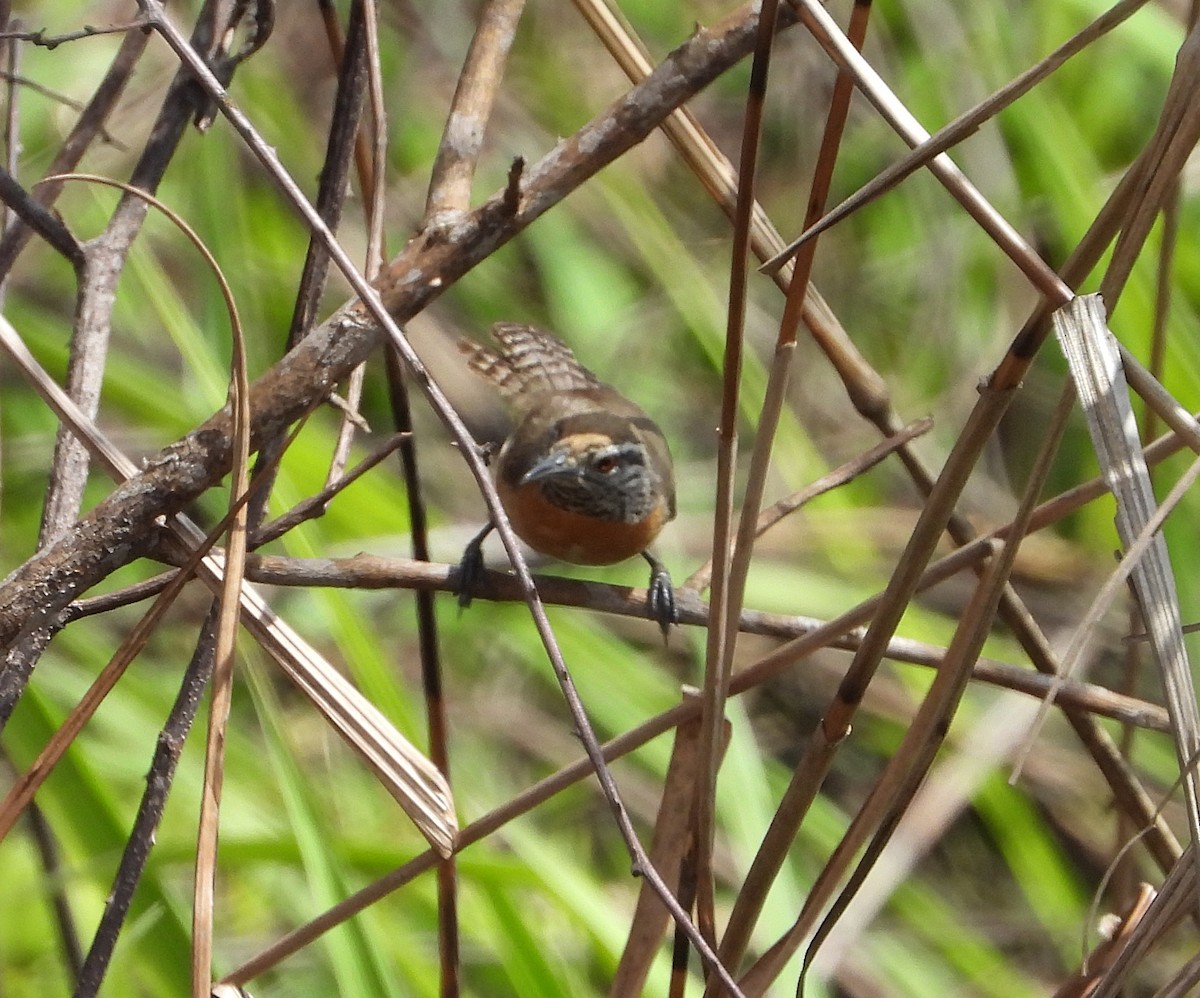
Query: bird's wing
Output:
(530,364)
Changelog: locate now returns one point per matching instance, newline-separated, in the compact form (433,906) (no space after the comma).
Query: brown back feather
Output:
(530,364)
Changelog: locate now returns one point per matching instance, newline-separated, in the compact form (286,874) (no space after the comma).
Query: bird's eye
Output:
(606,465)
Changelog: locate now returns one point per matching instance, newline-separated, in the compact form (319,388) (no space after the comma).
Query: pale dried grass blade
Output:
(1095,364)
(407,774)
(714,170)
(205,881)
(695,145)
(961,128)
(1102,603)
(1040,275)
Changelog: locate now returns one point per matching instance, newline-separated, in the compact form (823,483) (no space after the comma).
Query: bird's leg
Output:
(660,595)
(470,567)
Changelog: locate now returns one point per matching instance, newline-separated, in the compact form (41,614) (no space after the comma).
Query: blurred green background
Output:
(632,271)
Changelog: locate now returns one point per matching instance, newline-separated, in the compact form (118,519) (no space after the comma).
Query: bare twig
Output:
(204,889)
(114,532)
(316,505)
(462,140)
(1040,275)
(154,800)
(426,617)
(43,40)
(38,219)
(1175,136)
(840,475)
(373,572)
(960,128)
(726,585)
(408,776)
(85,130)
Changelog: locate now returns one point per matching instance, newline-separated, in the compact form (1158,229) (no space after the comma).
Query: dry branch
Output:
(117,530)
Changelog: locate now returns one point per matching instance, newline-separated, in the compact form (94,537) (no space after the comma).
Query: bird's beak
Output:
(549,466)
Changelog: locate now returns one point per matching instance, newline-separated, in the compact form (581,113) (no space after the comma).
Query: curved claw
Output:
(660,595)
(470,567)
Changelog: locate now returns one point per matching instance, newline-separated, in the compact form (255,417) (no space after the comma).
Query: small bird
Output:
(586,475)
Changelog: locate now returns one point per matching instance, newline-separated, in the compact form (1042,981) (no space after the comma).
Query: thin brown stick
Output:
(671,843)
(1006,237)
(43,40)
(449,193)
(959,129)
(726,596)
(909,764)
(114,532)
(12,132)
(1175,136)
(367,63)
(267,156)
(315,505)
(834,479)
(374,572)
(773,402)
(474,97)
(204,888)
(767,668)
(89,125)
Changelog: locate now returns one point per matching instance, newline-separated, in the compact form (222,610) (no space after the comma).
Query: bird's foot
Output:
(660,596)
(470,567)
